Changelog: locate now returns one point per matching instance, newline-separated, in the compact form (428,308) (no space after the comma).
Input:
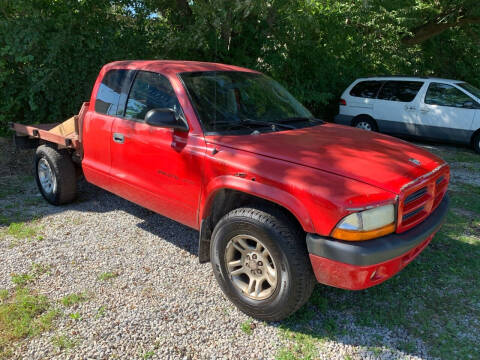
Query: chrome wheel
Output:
(46,176)
(251,267)
(365,125)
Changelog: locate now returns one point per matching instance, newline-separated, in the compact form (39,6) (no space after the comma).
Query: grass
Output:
(75,316)
(22,279)
(101,312)
(73,299)
(247,327)
(63,342)
(22,230)
(107,276)
(22,314)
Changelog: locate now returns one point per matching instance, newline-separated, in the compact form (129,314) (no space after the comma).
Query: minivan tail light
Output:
(342,102)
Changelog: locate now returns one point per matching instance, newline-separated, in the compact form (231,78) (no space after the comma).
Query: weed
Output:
(73,299)
(75,316)
(100,312)
(107,276)
(63,342)
(22,230)
(148,354)
(247,327)
(21,279)
(23,314)
(3,294)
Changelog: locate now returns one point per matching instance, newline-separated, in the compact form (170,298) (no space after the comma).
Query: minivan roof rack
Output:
(400,75)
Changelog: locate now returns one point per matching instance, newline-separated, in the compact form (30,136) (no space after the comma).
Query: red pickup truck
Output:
(281,199)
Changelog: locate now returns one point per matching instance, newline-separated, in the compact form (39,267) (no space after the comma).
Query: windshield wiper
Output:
(273,125)
(297,119)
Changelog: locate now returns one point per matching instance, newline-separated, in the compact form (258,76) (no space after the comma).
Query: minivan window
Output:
(471,89)
(109,92)
(150,91)
(446,95)
(366,89)
(403,91)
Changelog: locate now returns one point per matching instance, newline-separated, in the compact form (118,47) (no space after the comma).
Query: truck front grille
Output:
(421,198)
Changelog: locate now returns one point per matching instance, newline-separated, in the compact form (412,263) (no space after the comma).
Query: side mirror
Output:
(471,105)
(165,118)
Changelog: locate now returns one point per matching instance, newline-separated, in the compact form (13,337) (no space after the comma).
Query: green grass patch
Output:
(247,327)
(75,316)
(22,279)
(107,276)
(22,230)
(63,342)
(73,299)
(23,314)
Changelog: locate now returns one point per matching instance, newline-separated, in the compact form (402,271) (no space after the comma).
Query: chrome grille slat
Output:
(416,195)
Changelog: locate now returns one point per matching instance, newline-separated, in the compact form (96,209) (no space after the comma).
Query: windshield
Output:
(243,102)
(471,89)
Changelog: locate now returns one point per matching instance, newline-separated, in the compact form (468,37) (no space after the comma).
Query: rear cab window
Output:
(401,91)
(366,89)
(112,93)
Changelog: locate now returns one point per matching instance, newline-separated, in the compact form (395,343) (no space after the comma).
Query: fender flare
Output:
(254,188)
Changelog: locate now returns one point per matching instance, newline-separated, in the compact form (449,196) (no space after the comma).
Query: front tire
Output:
(366,123)
(261,263)
(55,175)
(476,142)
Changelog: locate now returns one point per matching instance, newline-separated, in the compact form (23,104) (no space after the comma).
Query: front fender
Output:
(252,187)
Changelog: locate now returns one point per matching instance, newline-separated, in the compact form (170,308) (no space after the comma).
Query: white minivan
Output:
(429,108)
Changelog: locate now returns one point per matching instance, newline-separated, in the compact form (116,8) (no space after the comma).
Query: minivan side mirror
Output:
(165,118)
(471,105)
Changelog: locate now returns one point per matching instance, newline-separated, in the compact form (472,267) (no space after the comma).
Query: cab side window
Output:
(446,95)
(150,91)
(110,92)
(403,91)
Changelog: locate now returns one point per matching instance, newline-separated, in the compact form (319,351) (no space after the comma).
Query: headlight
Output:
(367,224)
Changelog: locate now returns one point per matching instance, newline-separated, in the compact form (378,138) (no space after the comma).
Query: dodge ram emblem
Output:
(415,161)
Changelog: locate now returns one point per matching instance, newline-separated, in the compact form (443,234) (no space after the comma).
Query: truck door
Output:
(156,167)
(97,125)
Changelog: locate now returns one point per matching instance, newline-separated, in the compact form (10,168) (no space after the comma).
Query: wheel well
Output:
(364,117)
(474,135)
(226,200)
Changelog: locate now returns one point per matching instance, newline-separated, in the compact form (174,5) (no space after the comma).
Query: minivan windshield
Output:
(471,89)
(243,102)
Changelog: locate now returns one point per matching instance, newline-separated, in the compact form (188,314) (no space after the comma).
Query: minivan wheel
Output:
(476,142)
(365,123)
(261,263)
(55,175)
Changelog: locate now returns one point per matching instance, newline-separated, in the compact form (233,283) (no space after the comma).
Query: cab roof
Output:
(173,66)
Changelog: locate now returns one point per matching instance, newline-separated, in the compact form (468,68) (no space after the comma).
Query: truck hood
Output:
(372,158)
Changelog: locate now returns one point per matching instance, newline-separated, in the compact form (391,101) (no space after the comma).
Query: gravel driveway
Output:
(143,293)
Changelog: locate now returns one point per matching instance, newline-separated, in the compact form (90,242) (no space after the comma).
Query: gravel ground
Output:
(160,302)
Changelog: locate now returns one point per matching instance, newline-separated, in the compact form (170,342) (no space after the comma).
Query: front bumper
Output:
(360,265)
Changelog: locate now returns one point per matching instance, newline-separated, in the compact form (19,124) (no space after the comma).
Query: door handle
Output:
(118,138)
(424,110)
(407,107)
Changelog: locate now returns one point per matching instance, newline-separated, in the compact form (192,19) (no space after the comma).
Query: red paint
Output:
(320,174)
(351,277)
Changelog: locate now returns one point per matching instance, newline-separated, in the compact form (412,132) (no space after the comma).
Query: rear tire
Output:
(476,142)
(365,122)
(273,251)
(55,175)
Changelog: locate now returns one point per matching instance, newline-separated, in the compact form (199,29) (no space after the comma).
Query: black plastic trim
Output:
(371,252)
